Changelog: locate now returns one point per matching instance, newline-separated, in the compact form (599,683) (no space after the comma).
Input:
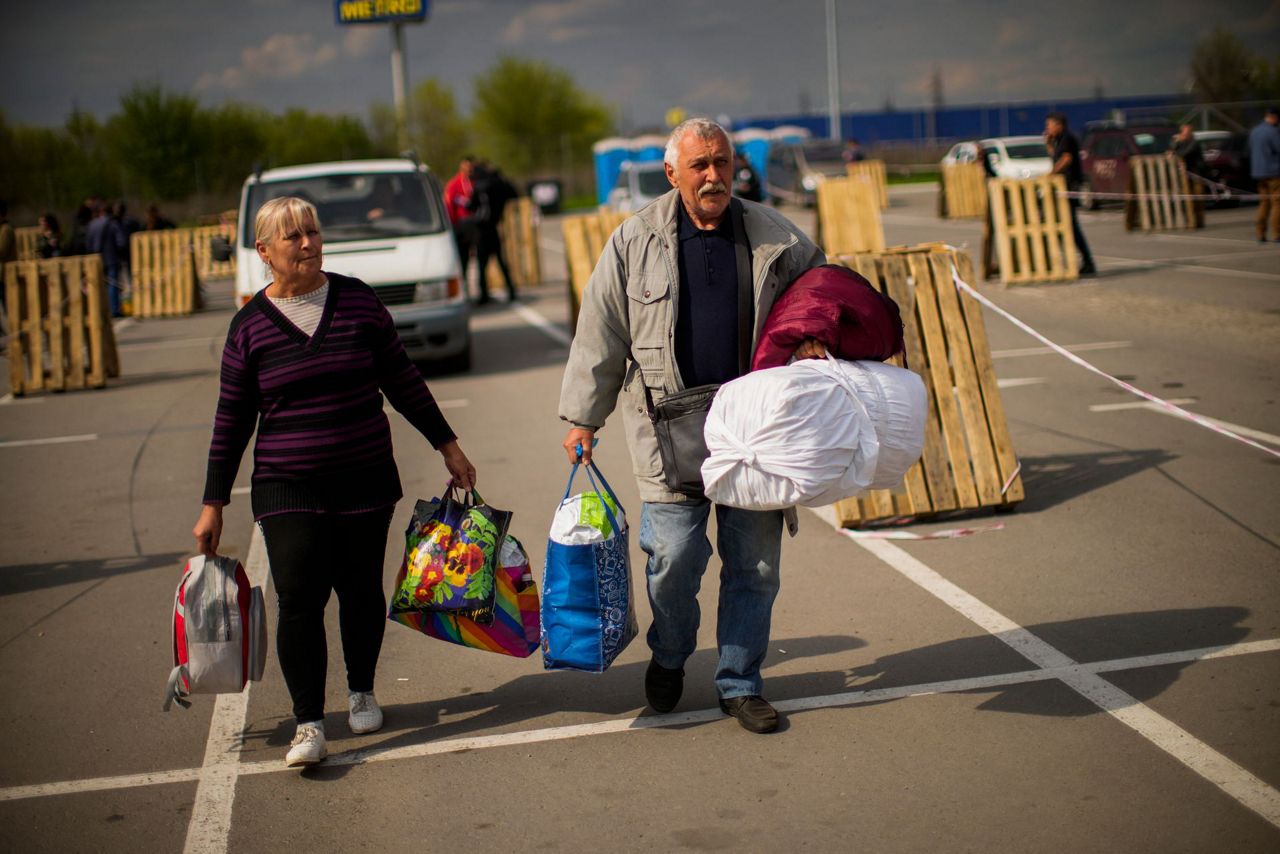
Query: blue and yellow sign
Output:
(379,11)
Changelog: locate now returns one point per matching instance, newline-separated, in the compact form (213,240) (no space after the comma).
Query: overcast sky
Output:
(640,57)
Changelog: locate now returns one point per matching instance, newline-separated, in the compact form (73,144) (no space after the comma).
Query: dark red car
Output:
(1105,153)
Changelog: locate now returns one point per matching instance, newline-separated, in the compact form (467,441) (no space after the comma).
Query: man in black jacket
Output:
(492,191)
(1064,150)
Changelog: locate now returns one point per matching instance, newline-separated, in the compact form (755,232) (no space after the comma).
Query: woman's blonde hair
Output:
(282,215)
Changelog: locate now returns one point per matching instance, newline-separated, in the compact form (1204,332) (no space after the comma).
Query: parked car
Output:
(1226,159)
(1009,156)
(637,185)
(795,169)
(383,222)
(1105,153)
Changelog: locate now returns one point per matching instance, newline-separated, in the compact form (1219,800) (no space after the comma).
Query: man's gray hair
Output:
(701,128)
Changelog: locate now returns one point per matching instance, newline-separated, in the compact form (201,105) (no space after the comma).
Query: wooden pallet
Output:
(963,192)
(164,275)
(1154,181)
(849,217)
(1032,231)
(584,239)
(26,239)
(871,171)
(201,239)
(60,337)
(968,460)
(519,234)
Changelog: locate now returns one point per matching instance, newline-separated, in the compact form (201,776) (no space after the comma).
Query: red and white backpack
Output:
(219,631)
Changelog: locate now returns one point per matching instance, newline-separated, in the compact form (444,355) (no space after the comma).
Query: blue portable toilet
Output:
(753,143)
(649,148)
(609,155)
(789,133)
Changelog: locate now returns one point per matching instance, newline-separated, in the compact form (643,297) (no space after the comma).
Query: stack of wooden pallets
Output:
(164,278)
(963,192)
(968,459)
(849,217)
(584,239)
(60,337)
(1030,231)
(519,244)
(871,171)
(1160,195)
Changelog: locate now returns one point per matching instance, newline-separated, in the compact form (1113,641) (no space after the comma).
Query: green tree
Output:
(302,137)
(532,118)
(438,133)
(1222,68)
(237,136)
(156,137)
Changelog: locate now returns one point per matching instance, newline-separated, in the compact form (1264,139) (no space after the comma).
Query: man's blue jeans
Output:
(750,544)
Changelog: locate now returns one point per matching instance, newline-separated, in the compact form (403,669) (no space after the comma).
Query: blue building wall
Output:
(973,121)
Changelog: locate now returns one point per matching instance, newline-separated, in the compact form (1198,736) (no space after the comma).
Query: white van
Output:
(383,222)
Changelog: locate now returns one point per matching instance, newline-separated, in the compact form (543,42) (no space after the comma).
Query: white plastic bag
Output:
(811,433)
(580,520)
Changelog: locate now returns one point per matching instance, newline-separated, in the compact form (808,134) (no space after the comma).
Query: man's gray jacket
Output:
(626,327)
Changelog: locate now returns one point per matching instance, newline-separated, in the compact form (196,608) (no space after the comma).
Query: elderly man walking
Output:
(677,302)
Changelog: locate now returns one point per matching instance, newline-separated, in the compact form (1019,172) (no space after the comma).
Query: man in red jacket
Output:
(459,199)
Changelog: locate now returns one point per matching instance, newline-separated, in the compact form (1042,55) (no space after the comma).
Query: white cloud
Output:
(559,21)
(364,41)
(283,56)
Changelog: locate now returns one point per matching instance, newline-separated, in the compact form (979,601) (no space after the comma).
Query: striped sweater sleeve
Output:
(404,386)
(234,421)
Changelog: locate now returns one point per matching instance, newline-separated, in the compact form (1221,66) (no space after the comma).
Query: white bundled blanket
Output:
(812,432)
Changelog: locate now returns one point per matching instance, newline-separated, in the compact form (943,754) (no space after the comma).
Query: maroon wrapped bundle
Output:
(837,307)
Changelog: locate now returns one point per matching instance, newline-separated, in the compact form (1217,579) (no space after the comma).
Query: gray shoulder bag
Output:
(679,417)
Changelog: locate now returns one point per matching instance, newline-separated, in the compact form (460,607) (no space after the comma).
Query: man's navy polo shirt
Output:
(706,338)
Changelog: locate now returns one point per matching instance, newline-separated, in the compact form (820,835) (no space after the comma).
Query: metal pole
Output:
(399,73)
(833,73)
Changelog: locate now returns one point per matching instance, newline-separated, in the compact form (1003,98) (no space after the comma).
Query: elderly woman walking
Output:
(308,361)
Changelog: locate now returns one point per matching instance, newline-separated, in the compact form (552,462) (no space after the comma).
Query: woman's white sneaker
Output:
(365,715)
(308,746)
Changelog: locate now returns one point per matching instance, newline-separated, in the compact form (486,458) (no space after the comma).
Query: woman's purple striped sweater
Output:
(324,443)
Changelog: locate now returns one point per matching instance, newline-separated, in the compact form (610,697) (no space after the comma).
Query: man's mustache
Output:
(717,187)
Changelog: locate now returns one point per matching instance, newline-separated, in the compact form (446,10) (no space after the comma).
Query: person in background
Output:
(308,361)
(49,241)
(853,151)
(492,191)
(746,184)
(129,226)
(8,252)
(1064,152)
(78,243)
(459,199)
(155,222)
(106,238)
(1186,146)
(1264,166)
(642,332)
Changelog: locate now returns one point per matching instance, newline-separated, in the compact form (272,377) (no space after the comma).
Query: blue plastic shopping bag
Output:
(588,610)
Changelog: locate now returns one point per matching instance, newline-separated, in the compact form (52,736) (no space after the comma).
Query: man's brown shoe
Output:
(753,712)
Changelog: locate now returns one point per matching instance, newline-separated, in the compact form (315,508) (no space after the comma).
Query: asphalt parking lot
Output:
(1097,671)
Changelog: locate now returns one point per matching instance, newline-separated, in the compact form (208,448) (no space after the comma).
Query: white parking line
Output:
(1016,382)
(1231,778)
(210,826)
(1074,348)
(1269,438)
(546,327)
(1138,404)
(636,724)
(51,440)
(168,345)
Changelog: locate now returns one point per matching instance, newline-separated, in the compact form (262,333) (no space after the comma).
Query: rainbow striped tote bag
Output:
(514,629)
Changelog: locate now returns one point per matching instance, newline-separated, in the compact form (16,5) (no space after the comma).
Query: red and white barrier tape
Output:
(1164,404)
(1202,197)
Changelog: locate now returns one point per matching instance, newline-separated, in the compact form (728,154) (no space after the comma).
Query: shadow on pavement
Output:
(1089,639)
(21,578)
(617,691)
(1052,480)
(620,690)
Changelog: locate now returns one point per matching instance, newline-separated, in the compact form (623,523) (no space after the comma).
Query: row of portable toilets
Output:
(611,153)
